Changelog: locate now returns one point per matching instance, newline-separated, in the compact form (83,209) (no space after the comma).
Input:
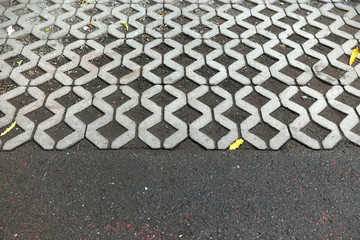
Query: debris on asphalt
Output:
(236,144)
(125,25)
(8,129)
(353,56)
(10,30)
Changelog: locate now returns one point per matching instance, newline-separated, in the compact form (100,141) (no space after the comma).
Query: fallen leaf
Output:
(83,4)
(8,129)
(10,30)
(89,24)
(125,25)
(19,62)
(236,144)
(48,30)
(353,56)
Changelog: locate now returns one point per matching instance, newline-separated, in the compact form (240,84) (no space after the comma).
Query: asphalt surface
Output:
(295,193)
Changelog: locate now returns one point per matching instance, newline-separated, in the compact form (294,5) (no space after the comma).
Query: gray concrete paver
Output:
(280,51)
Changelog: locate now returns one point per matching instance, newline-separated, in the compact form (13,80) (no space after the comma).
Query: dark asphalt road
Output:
(294,193)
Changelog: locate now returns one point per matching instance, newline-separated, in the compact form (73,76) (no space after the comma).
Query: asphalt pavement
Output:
(296,193)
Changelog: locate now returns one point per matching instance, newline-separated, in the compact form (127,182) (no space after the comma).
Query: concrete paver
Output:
(70,73)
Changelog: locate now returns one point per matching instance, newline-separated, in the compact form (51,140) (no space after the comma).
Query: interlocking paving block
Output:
(40,136)
(182,129)
(211,72)
(144,134)
(226,140)
(124,120)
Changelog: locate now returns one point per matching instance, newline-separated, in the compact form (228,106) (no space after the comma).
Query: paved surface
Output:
(188,76)
(208,72)
(143,194)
